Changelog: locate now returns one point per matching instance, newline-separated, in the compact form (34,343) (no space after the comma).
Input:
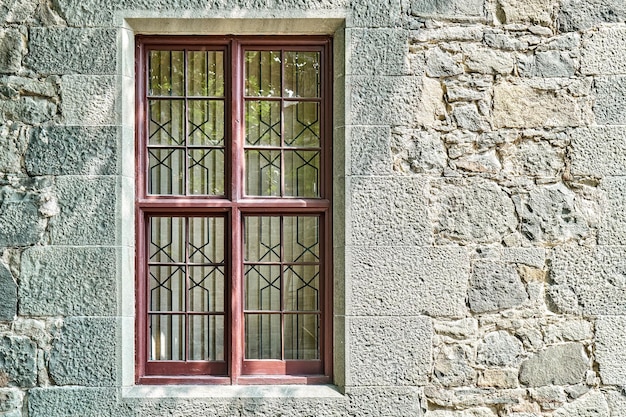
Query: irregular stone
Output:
(13,140)
(608,107)
(20,221)
(11,400)
(557,365)
(550,398)
(552,214)
(417,151)
(12,48)
(389,211)
(572,330)
(448,33)
(68,280)
(72,50)
(84,353)
(498,378)
(617,403)
(610,345)
(466,116)
(370,150)
(448,8)
(523,106)
(13,86)
(468,87)
(539,12)
(533,257)
(17,11)
(90,100)
(474,412)
(452,368)
(442,64)
(387,351)
(479,162)
(28,110)
(495,286)
(73,401)
(72,150)
(593,404)
(474,397)
(38,331)
(8,294)
(578,15)
(599,54)
(533,158)
(488,61)
(574,270)
(378,52)
(458,329)
(18,361)
(375,101)
(598,151)
(387,401)
(88,212)
(76,12)
(476,211)
(498,40)
(500,349)
(439,275)
(612,228)
(548,64)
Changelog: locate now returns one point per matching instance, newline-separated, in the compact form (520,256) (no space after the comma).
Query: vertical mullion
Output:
(186,290)
(282,125)
(186,118)
(282,290)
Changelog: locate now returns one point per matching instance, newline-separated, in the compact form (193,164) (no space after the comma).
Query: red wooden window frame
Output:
(233,206)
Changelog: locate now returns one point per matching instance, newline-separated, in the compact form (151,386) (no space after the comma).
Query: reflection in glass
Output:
(206,73)
(206,338)
(302,173)
(166,173)
(166,122)
(263,336)
(302,124)
(302,74)
(206,122)
(262,73)
(302,336)
(166,73)
(262,287)
(206,171)
(167,334)
(262,173)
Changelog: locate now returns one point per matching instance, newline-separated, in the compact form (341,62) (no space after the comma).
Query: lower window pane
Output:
(302,336)
(167,336)
(206,338)
(263,339)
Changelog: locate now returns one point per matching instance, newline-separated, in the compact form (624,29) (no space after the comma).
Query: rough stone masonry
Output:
(480,230)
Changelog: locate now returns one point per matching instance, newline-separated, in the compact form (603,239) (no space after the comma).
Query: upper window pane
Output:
(302,74)
(262,73)
(166,73)
(206,73)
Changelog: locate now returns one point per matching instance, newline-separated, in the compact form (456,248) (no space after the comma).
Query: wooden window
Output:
(234,277)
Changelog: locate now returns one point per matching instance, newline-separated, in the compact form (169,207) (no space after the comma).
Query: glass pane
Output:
(206,73)
(262,336)
(206,171)
(206,122)
(302,288)
(206,240)
(302,173)
(166,173)
(302,336)
(262,287)
(167,336)
(262,173)
(302,74)
(166,73)
(302,124)
(206,338)
(167,288)
(206,289)
(263,123)
(262,73)
(261,239)
(301,239)
(167,240)
(166,122)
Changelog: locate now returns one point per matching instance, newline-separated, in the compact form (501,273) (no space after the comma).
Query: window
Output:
(233,206)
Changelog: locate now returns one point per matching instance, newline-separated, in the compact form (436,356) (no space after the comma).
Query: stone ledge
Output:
(221,391)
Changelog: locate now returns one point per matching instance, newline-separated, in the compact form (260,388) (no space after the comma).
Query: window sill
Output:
(231,391)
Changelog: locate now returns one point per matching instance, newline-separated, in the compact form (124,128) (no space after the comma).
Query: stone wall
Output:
(480,238)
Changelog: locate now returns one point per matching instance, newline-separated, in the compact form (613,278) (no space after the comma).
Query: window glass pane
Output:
(262,123)
(206,122)
(302,74)
(206,338)
(167,118)
(302,173)
(206,73)
(166,73)
(167,336)
(206,240)
(262,287)
(167,240)
(166,171)
(301,239)
(206,171)
(302,336)
(262,73)
(302,124)
(302,287)
(262,173)
(262,239)
(263,336)
(206,289)
(167,288)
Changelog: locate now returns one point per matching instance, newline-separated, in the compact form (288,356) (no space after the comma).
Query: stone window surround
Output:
(239,23)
